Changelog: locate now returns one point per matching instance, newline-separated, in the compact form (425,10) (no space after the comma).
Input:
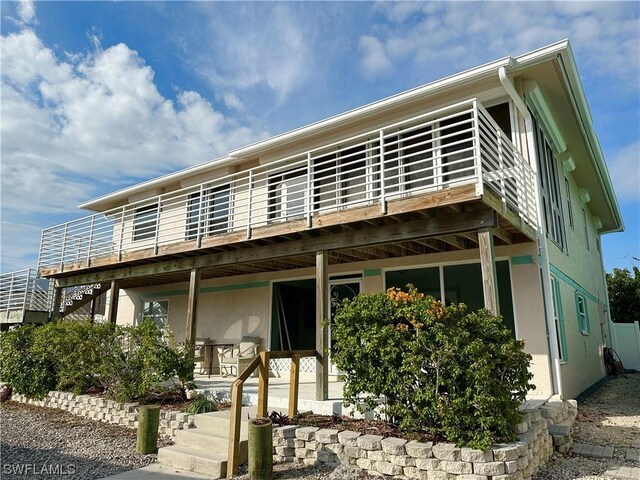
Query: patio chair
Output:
(199,353)
(238,356)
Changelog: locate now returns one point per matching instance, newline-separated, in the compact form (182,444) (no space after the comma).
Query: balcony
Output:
(21,291)
(452,155)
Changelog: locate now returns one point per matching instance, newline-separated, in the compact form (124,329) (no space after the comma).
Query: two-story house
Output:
(487,187)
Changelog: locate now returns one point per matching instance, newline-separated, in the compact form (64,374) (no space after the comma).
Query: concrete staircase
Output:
(203,449)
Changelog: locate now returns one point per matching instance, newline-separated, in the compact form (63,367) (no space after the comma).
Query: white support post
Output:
(477,149)
(64,246)
(93,221)
(249,200)
(383,201)
(122,220)
(309,196)
(503,193)
(157,232)
(199,224)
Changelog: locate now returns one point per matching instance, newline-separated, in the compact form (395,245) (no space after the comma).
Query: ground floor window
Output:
(582,313)
(158,311)
(458,284)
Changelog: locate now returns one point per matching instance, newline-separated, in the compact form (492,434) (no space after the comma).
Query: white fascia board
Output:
(578,99)
(238,155)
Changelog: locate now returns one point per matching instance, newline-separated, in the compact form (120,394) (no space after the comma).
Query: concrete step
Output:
(219,421)
(197,460)
(211,442)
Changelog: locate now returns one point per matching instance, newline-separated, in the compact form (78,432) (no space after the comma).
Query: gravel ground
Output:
(607,416)
(288,471)
(42,440)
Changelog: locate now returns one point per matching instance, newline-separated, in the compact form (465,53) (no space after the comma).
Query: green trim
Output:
(219,288)
(567,279)
(564,355)
(583,327)
(372,272)
(522,260)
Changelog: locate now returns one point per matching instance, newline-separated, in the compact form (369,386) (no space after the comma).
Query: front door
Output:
(338,291)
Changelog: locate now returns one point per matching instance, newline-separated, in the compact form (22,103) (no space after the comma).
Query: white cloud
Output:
(26,11)
(374,59)
(81,125)
(446,37)
(231,100)
(625,173)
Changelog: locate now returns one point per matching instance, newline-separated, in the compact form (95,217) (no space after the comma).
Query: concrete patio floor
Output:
(220,388)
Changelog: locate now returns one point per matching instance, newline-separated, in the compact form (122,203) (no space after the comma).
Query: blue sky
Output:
(97,96)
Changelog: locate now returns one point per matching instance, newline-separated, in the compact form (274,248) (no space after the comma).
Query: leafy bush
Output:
(24,362)
(202,404)
(440,369)
(126,362)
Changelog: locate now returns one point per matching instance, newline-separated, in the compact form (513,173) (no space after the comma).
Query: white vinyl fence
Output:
(626,343)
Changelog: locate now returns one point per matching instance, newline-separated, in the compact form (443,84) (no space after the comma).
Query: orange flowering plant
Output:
(436,368)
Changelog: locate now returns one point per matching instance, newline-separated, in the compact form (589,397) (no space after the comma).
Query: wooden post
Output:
(192,306)
(148,421)
(92,315)
(263,385)
(233,455)
(260,448)
(488,266)
(57,299)
(322,335)
(294,383)
(113,301)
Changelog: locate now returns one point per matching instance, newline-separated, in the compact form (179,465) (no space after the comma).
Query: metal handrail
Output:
(21,290)
(261,362)
(456,145)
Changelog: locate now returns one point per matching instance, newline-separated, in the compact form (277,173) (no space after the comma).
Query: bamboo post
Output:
(148,421)
(294,383)
(260,449)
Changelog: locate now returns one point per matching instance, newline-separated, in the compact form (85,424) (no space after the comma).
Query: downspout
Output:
(543,264)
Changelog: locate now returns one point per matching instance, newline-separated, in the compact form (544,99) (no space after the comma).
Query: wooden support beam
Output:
(452,240)
(369,236)
(503,235)
(114,295)
(488,266)
(294,384)
(263,385)
(192,306)
(57,300)
(322,333)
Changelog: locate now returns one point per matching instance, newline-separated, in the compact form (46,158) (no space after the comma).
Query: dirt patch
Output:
(610,415)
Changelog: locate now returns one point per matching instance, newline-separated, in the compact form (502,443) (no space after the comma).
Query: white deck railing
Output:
(452,146)
(20,291)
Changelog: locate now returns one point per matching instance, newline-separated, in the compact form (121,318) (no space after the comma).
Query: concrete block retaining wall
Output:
(426,461)
(108,411)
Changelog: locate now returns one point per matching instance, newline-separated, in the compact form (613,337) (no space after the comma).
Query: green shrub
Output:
(126,362)
(24,362)
(442,370)
(202,404)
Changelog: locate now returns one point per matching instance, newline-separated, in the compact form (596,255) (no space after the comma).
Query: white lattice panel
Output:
(307,365)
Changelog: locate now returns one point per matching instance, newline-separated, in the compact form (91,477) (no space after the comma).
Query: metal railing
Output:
(448,147)
(22,290)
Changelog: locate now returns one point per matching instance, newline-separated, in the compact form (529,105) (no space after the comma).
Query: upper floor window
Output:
(208,211)
(145,222)
(549,188)
(567,189)
(287,194)
(586,229)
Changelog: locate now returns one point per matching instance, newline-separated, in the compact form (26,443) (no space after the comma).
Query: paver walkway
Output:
(623,471)
(594,451)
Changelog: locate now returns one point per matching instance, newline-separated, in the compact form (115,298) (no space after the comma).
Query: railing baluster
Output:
(199,219)
(503,193)
(383,191)
(156,235)
(93,222)
(478,149)
(122,220)
(64,246)
(249,200)
(309,196)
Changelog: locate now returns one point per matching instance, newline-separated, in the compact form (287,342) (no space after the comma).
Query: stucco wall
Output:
(580,269)
(235,306)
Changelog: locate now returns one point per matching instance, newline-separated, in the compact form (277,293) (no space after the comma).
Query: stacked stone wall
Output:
(108,411)
(425,460)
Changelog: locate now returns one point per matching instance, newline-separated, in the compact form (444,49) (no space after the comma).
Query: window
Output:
(208,215)
(145,221)
(158,311)
(558,318)
(582,313)
(567,190)
(550,188)
(287,194)
(586,229)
